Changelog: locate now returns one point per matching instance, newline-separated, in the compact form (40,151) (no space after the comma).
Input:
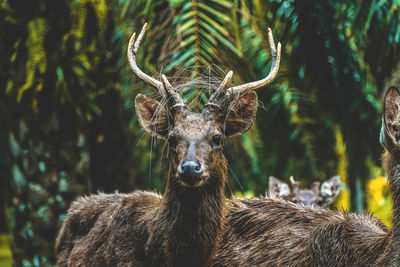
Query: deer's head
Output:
(196,139)
(390,132)
(318,195)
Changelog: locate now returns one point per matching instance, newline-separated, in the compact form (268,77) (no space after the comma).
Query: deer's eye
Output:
(217,139)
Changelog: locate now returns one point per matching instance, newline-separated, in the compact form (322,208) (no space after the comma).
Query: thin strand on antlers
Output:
(175,97)
(220,93)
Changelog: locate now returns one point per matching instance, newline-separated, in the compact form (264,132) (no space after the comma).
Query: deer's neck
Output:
(392,166)
(194,218)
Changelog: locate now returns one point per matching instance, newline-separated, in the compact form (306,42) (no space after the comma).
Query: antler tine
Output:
(276,58)
(171,93)
(131,54)
(219,94)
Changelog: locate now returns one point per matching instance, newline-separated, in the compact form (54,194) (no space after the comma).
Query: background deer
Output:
(182,227)
(275,232)
(321,195)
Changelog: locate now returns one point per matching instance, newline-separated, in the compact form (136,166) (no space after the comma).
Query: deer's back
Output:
(112,230)
(274,232)
(106,230)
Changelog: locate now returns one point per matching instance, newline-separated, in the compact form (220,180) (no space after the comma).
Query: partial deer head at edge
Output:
(390,132)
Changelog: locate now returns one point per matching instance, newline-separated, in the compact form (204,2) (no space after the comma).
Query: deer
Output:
(318,195)
(182,227)
(277,232)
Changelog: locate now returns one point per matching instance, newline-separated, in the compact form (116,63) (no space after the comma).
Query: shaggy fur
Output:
(183,228)
(144,229)
(274,232)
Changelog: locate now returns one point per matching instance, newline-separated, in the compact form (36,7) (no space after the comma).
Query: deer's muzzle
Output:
(190,173)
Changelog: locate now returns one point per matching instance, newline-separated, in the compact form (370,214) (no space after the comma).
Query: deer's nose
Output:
(190,168)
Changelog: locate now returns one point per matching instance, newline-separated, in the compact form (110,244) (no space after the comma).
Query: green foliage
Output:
(64,75)
(45,180)
(202,27)
(5,252)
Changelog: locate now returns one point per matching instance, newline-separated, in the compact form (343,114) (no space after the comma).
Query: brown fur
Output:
(144,229)
(182,228)
(275,232)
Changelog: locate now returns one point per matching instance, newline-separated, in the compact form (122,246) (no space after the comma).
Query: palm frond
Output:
(201,27)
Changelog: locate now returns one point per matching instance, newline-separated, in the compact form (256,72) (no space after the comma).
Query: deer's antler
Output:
(164,87)
(222,93)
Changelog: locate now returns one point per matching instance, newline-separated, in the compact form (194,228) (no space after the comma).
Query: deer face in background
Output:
(306,196)
(196,139)
(318,195)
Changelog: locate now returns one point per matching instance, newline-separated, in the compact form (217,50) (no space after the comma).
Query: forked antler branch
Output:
(164,87)
(222,93)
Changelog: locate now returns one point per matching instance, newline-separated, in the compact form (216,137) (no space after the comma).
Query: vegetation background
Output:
(68,125)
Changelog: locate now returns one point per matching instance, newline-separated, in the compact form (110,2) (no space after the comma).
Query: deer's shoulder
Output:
(88,212)
(84,212)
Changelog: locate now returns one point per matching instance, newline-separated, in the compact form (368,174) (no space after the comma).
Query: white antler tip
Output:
(166,82)
(132,40)
(270,34)
(227,80)
(139,39)
(275,55)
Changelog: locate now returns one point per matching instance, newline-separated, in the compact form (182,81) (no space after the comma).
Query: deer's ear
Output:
(277,188)
(152,116)
(241,114)
(330,190)
(391,118)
